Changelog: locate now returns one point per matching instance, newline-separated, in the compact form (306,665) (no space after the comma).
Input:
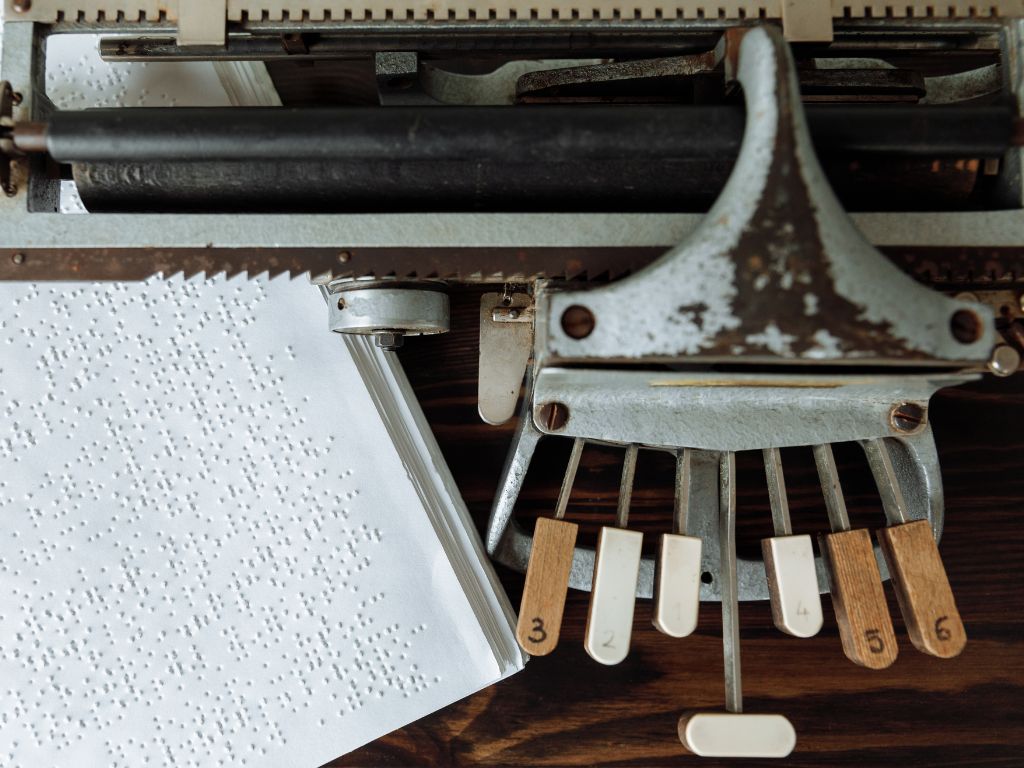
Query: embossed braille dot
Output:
(179,563)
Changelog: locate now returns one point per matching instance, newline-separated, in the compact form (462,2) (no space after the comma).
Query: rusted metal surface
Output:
(552,81)
(776,271)
(874,85)
(481,265)
(946,269)
(7,149)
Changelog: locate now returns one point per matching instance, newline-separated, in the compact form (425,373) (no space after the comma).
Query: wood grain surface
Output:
(567,710)
(922,589)
(546,585)
(858,599)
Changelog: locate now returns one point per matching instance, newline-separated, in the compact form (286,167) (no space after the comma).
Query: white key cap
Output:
(793,584)
(613,594)
(677,585)
(715,734)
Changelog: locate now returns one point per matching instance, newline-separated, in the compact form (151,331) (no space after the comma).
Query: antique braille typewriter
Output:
(710,227)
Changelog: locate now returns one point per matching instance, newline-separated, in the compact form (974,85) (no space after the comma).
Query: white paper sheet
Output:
(210,552)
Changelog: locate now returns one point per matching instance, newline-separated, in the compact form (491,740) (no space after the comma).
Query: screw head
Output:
(344,257)
(908,418)
(578,322)
(553,416)
(18,258)
(1005,361)
(390,341)
(22,6)
(965,326)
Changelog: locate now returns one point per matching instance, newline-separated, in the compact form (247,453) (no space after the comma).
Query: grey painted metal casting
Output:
(776,274)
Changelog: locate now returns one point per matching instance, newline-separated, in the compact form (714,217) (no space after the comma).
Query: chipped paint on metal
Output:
(774,340)
(776,270)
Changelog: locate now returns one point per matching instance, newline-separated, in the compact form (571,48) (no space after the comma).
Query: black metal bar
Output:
(507,134)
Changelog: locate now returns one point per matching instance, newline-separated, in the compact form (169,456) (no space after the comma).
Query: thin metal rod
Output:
(880,461)
(569,479)
(829,477)
(777,492)
(684,459)
(626,486)
(729,582)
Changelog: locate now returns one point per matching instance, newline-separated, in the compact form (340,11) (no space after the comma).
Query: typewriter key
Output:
(789,562)
(915,567)
(547,575)
(732,733)
(862,614)
(677,576)
(616,569)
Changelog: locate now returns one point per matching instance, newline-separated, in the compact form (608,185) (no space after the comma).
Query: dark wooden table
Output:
(566,709)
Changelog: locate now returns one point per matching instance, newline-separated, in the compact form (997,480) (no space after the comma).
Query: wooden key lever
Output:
(915,567)
(789,562)
(616,569)
(862,613)
(732,733)
(677,574)
(547,575)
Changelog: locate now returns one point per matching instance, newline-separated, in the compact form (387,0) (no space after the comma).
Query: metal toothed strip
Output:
(133,11)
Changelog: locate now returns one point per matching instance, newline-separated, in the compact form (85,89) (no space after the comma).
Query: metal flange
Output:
(388,309)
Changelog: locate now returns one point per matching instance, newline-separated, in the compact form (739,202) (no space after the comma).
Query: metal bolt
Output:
(1005,360)
(18,258)
(578,322)
(907,417)
(341,303)
(344,257)
(553,416)
(390,341)
(965,326)
(1014,333)
(22,6)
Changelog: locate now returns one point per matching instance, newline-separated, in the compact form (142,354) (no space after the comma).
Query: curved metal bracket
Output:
(914,457)
(776,272)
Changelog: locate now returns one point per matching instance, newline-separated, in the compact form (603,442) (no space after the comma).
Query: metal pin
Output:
(626,487)
(677,574)
(547,575)
(862,613)
(789,562)
(570,477)
(733,734)
(915,566)
(829,477)
(729,582)
(616,569)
